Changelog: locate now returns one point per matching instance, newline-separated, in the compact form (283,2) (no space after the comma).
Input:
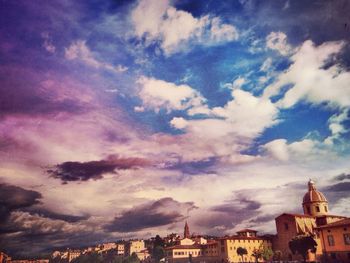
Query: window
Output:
(317,209)
(286,227)
(330,240)
(347,239)
(333,256)
(308,209)
(222,249)
(325,208)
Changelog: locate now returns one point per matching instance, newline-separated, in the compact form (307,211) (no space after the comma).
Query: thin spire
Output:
(186,231)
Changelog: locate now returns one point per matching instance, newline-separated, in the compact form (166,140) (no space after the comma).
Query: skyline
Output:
(123,119)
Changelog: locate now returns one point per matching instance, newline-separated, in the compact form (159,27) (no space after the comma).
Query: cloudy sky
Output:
(123,119)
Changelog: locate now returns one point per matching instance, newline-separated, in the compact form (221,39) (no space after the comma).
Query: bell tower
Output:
(186,231)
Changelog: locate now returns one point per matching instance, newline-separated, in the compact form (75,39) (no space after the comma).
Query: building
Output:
(246,238)
(120,249)
(72,254)
(316,214)
(198,249)
(335,240)
(4,258)
(135,246)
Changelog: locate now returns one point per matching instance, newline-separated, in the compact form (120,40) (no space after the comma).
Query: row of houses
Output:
(121,249)
(330,232)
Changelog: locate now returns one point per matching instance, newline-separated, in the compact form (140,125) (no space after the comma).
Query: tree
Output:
(267,253)
(158,249)
(302,244)
(241,251)
(257,253)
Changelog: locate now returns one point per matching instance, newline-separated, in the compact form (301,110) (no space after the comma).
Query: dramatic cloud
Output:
(177,29)
(14,197)
(226,216)
(83,171)
(153,214)
(80,51)
(308,75)
(342,177)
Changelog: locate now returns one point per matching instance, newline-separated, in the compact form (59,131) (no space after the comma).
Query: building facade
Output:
(335,240)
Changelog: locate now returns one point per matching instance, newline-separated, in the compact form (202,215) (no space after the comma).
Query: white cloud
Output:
(310,80)
(175,30)
(80,51)
(157,94)
(178,123)
(249,114)
(336,126)
(266,66)
(299,151)
(278,41)
(238,83)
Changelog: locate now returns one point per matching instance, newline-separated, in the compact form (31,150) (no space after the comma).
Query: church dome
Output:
(313,195)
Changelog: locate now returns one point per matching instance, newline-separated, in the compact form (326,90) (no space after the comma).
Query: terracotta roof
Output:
(313,195)
(247,230)
(342,222)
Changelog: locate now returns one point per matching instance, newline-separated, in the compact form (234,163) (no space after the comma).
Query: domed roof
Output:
(313,195)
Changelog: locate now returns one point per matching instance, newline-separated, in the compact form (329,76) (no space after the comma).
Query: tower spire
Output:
(186,231)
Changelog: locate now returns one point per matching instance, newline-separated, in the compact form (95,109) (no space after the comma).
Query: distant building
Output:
(138,247)
(120,249)
(72,254)
(30,261)
(315,206)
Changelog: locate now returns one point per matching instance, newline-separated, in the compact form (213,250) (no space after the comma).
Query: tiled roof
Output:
(342,222)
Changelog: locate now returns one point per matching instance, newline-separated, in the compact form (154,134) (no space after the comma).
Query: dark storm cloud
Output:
(42,212)
(339,187)
(229,214)
(195,167)
(263,218)
(336,192)
(83,171)
(40,234)
(342,177)
(157,213)
(14,197)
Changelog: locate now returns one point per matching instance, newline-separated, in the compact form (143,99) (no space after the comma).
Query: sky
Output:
(123,119)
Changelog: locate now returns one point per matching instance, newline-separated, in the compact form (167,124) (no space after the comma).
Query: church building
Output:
(316,215)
